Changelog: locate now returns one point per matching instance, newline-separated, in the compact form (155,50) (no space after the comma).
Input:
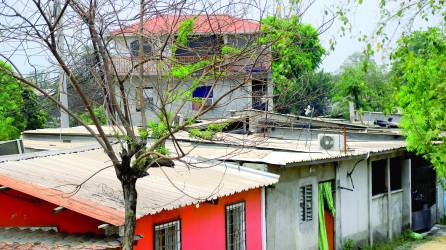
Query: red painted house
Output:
(201,205)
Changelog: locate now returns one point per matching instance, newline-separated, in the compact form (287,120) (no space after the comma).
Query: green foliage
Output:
(229,50)
(10,105)
(19,107)
(157,129)
(7,129)
(405,241)
(100,114)
(183,72)
(419,72)
(315,92)
(32,110)
(296,52)
(364,83)
(184,30)
(208,133)
(349,244)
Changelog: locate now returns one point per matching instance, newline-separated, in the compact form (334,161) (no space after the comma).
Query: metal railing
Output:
(125,64)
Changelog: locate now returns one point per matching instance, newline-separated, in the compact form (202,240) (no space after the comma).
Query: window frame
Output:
(180,239)
(238,203)
(396,174)
(134,48)
(379,186)
(304,199)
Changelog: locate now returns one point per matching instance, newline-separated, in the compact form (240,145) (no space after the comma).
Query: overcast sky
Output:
(364,20)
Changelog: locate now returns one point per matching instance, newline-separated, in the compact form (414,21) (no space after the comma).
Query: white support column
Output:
(389,202)
(369,200)
(338,205)
(263,207)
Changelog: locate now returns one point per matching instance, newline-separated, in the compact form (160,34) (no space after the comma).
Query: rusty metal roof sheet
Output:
(53,176)
(27,238)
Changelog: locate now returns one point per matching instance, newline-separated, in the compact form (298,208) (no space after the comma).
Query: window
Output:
(306,203)
(395,174)
(134,48)
(199,97)
(201,45)
(235,226)
(379,177)
(147,94)
(168,236)
(259,92)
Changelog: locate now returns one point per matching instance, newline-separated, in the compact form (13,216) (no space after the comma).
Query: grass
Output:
(404,241)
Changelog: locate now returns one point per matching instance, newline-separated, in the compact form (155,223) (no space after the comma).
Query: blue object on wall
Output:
(203,92)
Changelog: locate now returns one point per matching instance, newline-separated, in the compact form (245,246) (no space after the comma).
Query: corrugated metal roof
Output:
(27,238)
(52,176)
(277,151)
(78,130)
(286,152)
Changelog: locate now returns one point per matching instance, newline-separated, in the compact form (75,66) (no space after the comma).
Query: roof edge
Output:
(82,206)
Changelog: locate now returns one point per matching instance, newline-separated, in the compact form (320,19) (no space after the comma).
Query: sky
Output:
(364,20)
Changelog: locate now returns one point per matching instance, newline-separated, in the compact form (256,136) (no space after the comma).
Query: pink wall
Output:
(204,227)
(19,209)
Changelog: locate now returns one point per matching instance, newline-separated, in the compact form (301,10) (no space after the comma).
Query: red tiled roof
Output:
(203,24)
(30,239)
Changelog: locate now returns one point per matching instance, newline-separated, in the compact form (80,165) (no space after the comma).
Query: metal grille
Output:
(235,226)
(306,203)
(168,236)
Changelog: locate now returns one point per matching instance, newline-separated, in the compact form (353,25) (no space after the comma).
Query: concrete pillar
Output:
(338,204)
(369,200)
(263,201)
(440,200)
(406,183)
(389,201)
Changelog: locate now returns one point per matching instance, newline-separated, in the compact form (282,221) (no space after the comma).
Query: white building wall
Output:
(353,206)
(238,99)
(351,220)
(284,228)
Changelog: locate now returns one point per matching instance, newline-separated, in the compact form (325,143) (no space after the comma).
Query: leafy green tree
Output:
(32,109)
(364,83)
(419,71)
(99,112)
(315,92)
(11,119)
(297,52)
(20,108)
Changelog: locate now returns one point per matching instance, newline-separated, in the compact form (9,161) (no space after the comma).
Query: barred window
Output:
(235,226)
(306,203)
(168,236)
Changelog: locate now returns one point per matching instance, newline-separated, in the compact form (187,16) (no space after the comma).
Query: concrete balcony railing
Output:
(126,64)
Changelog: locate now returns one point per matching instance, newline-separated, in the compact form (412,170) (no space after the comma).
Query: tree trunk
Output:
(130,198)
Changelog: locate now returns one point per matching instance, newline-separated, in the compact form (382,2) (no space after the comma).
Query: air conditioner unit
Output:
(331,142)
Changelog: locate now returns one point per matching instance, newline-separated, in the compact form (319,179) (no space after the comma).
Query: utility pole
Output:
(63,97)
